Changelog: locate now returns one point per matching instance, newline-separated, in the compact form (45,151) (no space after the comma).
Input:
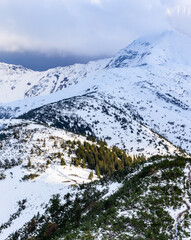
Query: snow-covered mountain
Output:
(168,48)
(139,100)
(18,82)
(144,88)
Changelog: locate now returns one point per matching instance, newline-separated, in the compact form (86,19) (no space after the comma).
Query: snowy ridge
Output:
(96,115)
(167,48)
(18,82)
(156,95)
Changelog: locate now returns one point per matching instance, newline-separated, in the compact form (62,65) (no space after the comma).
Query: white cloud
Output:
(96,1)
(14,43)
(88,27)
(179,15)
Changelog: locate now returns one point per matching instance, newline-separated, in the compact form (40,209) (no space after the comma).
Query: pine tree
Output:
(29,163)
(55,144)
(76,162)
(98,171)
(84,163)
(59,155)
(62,162)
(32,151)
(69,152)
(48,162)
(44,143)
(91,175)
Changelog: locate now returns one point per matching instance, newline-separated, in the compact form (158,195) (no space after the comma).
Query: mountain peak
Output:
(169,47)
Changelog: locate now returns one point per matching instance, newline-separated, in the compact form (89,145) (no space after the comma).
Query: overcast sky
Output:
(83,29)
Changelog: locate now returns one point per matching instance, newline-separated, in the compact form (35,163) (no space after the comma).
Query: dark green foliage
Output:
(91,175)
(137,211)
(48,162)
(2,176)
(30,177)
(62,162)
(10,163)
(91,138)
(76,162)
(103,159)
(50,230)
(98,171)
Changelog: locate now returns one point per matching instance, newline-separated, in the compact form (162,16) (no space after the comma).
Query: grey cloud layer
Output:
(90,27)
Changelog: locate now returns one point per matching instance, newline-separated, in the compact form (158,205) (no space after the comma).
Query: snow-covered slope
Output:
(95,114)
(139,100)
(150,88)
(18,82)
(33,166)
(167,48)
(150,200)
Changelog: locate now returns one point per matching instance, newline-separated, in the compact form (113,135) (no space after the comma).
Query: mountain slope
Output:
(164,49)
(93,114)
(19,83)
(138,100)
(37,162)
(34,165)
(146,201)
(152,89)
